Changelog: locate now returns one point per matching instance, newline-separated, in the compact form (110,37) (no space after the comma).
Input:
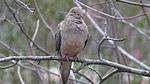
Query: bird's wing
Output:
(58,40)
(85,43)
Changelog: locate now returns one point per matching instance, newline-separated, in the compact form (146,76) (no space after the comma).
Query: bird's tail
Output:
(65,71)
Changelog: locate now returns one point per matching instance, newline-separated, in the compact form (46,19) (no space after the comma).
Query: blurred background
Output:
(53,12)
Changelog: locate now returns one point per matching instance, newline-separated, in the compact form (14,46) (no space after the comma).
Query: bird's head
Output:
(76,12)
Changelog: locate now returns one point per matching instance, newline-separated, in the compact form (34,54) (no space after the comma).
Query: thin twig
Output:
(13,61)
(99,47)
(131,24)
(22,4)
(106,38)
(35,32)
(43,20)
(113,17)
(20,77)
(124,18)
(95,72)
(126,53)
(81,67)
(108,75)
(133,3)
(84,76)
(102,13)
(58,75)
(131,57)
(11,65)
(6,46)
(134,59)
(144,11)
(22,30)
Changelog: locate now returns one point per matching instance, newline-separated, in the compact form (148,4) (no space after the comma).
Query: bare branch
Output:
(120,18)
(99,47)
(58,75)
(11,65)
(96,72)
(82,66)
(35,32)
(131,24)
(22,4)
(83,76)
(134,59)
(133,3)
(43,20)
(102,13)
(108,75)
(120,67)
(131,57)
(6,46)
(145,14)
(19,74)
(22,30)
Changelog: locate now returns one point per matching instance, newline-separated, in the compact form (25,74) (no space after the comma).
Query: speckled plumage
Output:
(71,39)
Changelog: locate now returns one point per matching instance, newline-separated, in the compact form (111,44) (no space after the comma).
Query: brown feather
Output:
(71,39)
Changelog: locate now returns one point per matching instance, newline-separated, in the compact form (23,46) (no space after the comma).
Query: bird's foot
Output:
(66,58)
(75,58)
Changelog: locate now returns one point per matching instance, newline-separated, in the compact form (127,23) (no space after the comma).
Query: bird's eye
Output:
(74,12)
(78,14)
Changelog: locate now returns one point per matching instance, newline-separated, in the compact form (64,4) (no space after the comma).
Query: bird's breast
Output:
(72,45)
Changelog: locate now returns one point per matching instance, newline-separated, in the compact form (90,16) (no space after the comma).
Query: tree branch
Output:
(121,68)
(133,3)
(22,30)
(128,55)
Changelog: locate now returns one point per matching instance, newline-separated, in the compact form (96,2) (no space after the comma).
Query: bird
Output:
(71,39)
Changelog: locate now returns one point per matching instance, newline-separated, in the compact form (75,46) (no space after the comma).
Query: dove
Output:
(71,39)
